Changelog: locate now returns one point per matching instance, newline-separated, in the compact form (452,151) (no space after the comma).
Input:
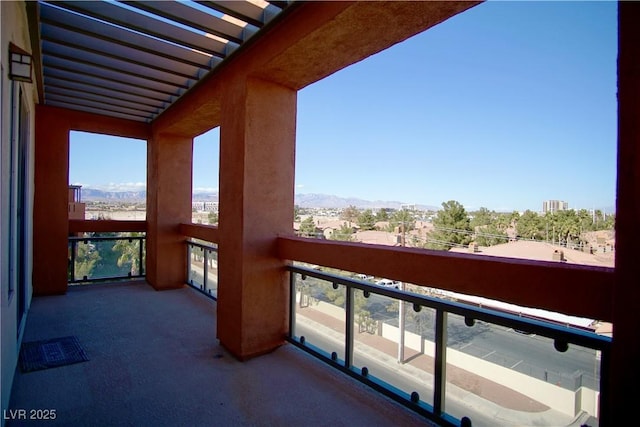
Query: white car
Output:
(388,283)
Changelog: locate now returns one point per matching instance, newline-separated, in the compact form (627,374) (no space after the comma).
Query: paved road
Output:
(529,354)
(407,378)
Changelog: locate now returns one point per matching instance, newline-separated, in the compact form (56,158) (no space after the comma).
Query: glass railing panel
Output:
(105,257)
(202,263)
(211,282)
(518,377)
(319,316)
(394,342)
(454,362)
(196,276)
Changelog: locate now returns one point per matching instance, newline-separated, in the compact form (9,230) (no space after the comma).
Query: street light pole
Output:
(401,326)
(401,312)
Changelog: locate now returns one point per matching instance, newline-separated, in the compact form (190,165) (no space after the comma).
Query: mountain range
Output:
(313,200)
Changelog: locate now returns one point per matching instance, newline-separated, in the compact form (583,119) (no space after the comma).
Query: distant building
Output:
(205,206)
(554,206)
(76,207)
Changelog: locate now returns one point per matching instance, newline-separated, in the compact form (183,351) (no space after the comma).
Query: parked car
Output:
(388,283)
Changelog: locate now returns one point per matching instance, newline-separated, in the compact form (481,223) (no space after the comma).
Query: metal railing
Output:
(104,258)
(427,352)
(202,266)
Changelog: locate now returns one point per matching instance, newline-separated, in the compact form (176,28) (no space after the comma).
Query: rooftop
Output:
(542,251)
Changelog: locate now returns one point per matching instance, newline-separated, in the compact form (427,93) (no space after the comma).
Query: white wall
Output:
(14,29)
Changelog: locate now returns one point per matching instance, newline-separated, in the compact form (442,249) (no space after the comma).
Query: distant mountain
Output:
(311,200)
(302,200)
(93,194)
(314,200)
(205,196)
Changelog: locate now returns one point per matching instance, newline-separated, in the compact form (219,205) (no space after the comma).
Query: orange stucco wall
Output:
(573,289)
(51,177)
(207,233)
(106,226)
(625,376)
(169,160)
(50,216)
(257,140)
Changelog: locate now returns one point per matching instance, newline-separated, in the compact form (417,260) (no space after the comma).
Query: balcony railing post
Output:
(140,263)
(188,272)
(73,260)
(604,416)
(292,304)
(440,363)
(401,327)
(205,268)
(348,336)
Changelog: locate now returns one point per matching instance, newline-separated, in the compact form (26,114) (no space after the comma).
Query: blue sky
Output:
(503,106)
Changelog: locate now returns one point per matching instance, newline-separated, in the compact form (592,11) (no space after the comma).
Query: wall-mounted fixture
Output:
(20,64)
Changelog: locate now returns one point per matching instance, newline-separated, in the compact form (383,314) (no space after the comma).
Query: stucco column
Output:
(257,156)
(169,168)
(625,376)
(50,205)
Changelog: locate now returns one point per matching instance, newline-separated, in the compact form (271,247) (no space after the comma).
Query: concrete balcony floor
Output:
(155,361)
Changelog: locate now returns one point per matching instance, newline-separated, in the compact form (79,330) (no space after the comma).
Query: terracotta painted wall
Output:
(169,165)
(257,156)
(625,375)
(50,217)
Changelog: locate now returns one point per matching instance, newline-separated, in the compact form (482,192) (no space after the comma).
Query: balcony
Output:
(151,365)
(154,360)
(148,348)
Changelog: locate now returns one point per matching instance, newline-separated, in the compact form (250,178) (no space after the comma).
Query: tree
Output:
(129,255)
(451,227)
(482,216)
(586,220)
(86,258)
(503,221)
(403,220)
(212,218)
(531,226)
(568,226)
(345,233)
(366,220)
(308,227)
(490,235)
(609,222)
(350,214)
(296,213)
(513,220)
(382,215)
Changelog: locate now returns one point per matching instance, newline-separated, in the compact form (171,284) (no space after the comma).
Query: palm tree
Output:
(129,253)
